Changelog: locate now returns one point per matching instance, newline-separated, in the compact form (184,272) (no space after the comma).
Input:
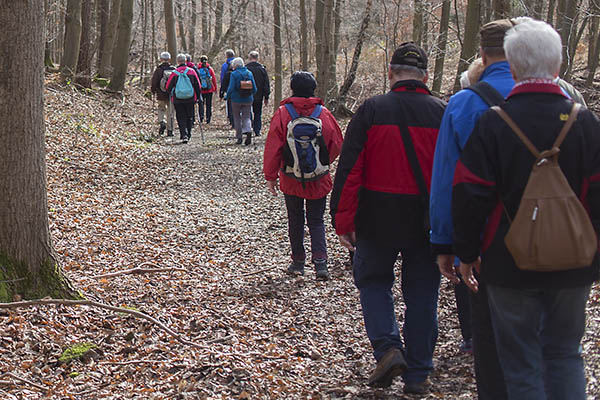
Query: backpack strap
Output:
(515,128)
(291,110)
(317,111)
(411,154)
(567,126)
(487,93)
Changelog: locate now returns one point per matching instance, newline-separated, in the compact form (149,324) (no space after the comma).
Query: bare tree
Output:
(594,44)
(84,63)
(170,27)
(417,33)
(441,47)
(278,60)
(469,45)
(303,37)
(29,266)
(107,49)
(192,30)
(121,52)
(502,8)
(72,37)
(102,11)
(219,20)
(180,22)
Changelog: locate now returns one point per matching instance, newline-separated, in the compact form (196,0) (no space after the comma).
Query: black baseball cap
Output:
(410,54)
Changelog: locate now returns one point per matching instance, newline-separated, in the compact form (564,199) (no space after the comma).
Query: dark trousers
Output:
(185,118)
(374,277)
(488,373)
(463,308)
(207,97)
(230,113)
(316,227)
(257,116)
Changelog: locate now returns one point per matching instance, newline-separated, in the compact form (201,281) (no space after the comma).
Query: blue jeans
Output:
(420,279)
(316,227)
(538,337)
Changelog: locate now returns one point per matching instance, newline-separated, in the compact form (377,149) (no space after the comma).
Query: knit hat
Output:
(303,84)
(492,33)
(410,54)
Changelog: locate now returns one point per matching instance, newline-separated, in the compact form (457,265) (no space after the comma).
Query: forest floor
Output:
(118,202)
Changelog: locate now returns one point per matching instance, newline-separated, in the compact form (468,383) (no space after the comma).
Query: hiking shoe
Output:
(466,346)
(169,133)
(418,387)
(239,141)
(248,138)
(390,366)
(162,128)
(321,270)
(257,134)
(296,268)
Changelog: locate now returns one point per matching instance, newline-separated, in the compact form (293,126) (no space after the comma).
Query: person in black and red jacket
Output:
(379,211)
(538,318)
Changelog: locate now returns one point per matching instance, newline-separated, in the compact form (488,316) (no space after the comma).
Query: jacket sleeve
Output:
(273,147)
(172,81)
(214,80)
(349,174)
(254,89)
(155,82)
(591,184)
(224,67)
(266,84)
(474,193)
(232,84)
(196,84)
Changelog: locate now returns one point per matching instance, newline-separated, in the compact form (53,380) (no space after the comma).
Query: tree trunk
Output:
(323,43)
(501,9)
(180,20)
(441,48)
(28,266)
(303,37)
(121,53)
(335,44)
(277,41)
(204,13)
(593,47)
(144,12)
(84,66)
(170,27)
(72,38)
(219,20)
(341,109)
(111,33)
(469,47)
(102,10)
(551,7)
(192,30)
(568,29)
(417,33)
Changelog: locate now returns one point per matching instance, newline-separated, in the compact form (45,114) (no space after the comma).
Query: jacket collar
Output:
(498,69)
(410,85)
(536,86)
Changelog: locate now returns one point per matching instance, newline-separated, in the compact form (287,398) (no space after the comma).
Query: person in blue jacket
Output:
(242,97)
(463,111)
(230,55)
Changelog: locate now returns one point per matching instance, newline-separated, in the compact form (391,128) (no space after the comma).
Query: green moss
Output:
(75,351)
(74,374)
(102,82)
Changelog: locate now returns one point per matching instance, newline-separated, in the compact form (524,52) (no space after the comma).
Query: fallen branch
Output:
(259,271)
(138,271)
(131,362)
(138,314)
(23,380)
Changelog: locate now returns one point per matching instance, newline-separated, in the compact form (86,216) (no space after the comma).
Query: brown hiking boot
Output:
(390,366)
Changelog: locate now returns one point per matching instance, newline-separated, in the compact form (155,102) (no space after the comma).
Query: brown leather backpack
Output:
(552,230)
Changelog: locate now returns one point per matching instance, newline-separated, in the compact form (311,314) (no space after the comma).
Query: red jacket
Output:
(213,77)
(273,159)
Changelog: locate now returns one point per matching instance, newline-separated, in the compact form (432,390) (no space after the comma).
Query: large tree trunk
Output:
(469,46)
(323,46)
(105,69)
(303,37)
(84,63)
(204,12)
(593,46)
(102,10)
(441,47)
(219,20)
(568,29)
(117,82)
(72,38)
(341,109)
(501,9)
(180,22)
(170,27)
(277,41)
(417,33)
(28,267)
(192,29)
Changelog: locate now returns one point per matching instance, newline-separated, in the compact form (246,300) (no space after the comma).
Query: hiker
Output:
(296,191)
(224,80)
(263,90)
(461,115)
(164,107)
(208,84)
(186,92)
(472,74)
(538,318)
(379,209)
(241,98)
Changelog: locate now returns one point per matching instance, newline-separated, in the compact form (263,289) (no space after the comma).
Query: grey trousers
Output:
(242,118)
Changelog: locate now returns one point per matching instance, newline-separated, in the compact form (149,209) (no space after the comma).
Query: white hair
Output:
(165,55)
(237,62)
(181,58)
(253,55)
(533,50)
(464,80)
(229,53)
(188,58)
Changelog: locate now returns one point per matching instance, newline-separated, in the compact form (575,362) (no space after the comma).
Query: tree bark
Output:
(501,8)
(441,47)
(469,47)
(551,7)
(219,20)
(568,29)
(278,61)
(323,44)
(72,38)
(593,46)
(84,66)
(28,266)
(417,33)
(102,11)
(303,37)
(111,33)
(170,27)
(192,30)
(180,22)
(121,53)
(204,16)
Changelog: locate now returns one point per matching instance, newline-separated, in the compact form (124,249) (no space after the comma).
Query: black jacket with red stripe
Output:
(375,193)
(492,173)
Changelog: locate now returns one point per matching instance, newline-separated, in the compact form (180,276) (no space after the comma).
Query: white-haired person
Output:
(241,90)
(538,318)
(164,107)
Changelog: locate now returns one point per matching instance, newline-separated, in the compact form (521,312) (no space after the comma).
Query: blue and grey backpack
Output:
(183,88)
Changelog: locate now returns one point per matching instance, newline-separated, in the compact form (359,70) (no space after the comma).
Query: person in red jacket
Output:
(296,192)
(208,84)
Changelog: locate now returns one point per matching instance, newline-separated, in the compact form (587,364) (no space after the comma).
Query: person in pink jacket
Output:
(297,192)
(208,84)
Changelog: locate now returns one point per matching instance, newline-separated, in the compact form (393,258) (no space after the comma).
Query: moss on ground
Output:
(75,351)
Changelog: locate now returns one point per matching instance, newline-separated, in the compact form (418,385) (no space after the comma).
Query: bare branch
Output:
(23,380)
